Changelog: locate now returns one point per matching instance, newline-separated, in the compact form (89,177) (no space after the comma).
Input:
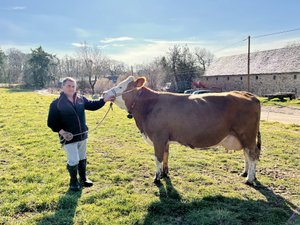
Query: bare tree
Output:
(16,61)
(103,84)
(204,58)
(3,59)
(71,67)
(153,72)
(94,62)
(115,69)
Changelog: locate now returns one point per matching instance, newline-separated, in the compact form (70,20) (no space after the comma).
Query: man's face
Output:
(69,88)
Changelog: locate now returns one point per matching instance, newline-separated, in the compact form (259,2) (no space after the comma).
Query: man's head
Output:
(69,86)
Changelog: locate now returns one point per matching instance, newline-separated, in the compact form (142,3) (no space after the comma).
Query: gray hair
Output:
(68,79)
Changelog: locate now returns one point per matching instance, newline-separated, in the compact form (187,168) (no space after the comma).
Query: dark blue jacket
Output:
(63,114)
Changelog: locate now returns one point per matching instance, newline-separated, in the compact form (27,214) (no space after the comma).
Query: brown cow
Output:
(228,119)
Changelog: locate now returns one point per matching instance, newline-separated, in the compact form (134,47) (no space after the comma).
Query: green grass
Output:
(278,102)
(203,188)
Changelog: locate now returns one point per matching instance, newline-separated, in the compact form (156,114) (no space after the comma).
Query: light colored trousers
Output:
(75,151)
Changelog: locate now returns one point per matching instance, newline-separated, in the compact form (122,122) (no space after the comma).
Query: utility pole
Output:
(131,70)
(248,65)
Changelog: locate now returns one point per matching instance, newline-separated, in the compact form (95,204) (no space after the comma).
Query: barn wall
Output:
(260,84)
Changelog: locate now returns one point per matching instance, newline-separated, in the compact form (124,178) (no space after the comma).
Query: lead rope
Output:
(98,124)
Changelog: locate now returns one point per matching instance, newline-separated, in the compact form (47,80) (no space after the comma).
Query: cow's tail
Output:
(258,144)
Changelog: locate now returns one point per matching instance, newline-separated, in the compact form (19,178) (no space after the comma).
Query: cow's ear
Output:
(140,82)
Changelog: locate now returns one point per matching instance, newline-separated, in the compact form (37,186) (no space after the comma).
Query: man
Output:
(67,117)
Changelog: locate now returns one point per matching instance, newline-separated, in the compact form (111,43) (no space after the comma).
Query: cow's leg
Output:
(159,148)
(251,172)
(158,173)
(246,164)
(165,161)
(251,166)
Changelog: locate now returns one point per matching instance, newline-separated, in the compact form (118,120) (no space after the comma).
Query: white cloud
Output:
(150,49)
(18,8)
(157,48)
(116,39)
(142,54)
(103,46)
(82,33)
(118,45)
(179,42)
(79,45)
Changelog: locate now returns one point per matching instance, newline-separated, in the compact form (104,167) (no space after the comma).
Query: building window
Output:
(217,78)
(256,77)
(241,78)
(206,78)
(274,77)
(227,78)
(295,76)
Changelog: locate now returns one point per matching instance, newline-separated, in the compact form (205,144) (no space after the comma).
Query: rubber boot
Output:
(82,174)
(74,184)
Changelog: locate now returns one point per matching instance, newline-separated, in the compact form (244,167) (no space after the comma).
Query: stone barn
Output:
(271,71)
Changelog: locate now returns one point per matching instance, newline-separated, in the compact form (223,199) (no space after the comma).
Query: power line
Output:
(255,37)
(235,43)
(275,33)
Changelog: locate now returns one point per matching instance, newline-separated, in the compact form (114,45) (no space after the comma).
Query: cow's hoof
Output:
(156,181)
(157,177)
(249,183)
(165,175)
(244,174)
(166,170)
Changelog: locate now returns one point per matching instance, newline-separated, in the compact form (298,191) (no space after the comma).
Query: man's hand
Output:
(111,98)
(66,135)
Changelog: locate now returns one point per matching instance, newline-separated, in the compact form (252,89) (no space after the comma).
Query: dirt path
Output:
(281,114)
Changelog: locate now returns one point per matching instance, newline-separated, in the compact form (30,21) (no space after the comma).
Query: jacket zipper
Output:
(77,116)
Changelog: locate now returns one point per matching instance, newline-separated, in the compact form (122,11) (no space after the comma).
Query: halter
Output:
(125,92)
(129,116)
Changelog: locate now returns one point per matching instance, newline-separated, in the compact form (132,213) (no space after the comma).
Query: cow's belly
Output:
(231,142)
(204,140)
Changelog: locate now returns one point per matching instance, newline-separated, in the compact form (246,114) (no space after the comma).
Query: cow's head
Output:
(125,91)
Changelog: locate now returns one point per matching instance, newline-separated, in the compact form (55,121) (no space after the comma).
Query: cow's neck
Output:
(132,104)
(142,105)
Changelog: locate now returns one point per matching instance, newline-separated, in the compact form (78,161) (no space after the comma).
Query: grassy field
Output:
(203,188)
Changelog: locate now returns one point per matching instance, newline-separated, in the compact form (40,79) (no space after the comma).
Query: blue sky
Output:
(135,31)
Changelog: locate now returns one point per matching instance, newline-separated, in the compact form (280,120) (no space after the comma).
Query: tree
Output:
(70,67)
(180,66)
(3,57)
(95,64)
(15,65)
(204,58)
(153,72)
(115,69)
(40,71)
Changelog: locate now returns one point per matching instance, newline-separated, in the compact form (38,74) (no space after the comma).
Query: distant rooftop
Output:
(280,60)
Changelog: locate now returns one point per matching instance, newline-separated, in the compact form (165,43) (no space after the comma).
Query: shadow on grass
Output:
(218,209)
(65,211)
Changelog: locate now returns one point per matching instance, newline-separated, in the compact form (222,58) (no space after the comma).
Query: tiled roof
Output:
(272,61)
